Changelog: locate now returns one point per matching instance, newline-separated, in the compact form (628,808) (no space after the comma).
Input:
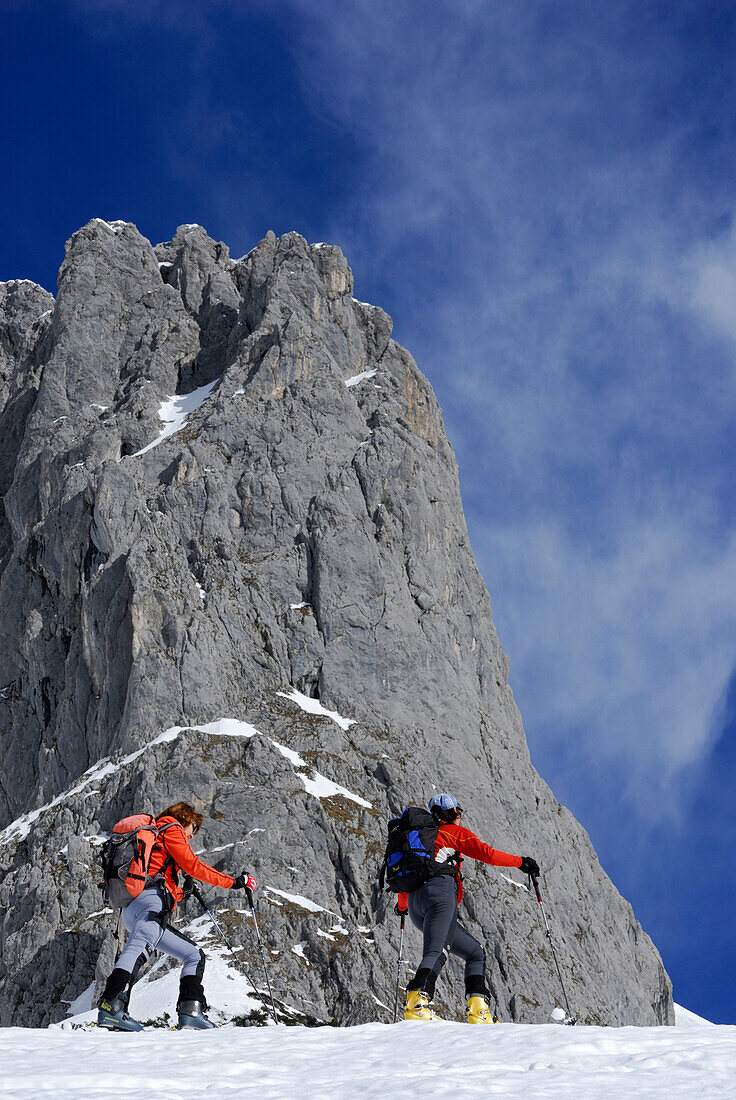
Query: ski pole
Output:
(398,972)
(535,883)
(221,934)
(249,893)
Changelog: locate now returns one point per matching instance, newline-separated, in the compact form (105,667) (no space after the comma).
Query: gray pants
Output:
(145,919)
(433,909)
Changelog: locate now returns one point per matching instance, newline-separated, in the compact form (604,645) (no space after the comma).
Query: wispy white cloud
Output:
(714,285)
(703,282)
(631,649)
(543,241)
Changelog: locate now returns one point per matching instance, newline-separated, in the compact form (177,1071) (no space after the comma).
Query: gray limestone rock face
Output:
(231,512)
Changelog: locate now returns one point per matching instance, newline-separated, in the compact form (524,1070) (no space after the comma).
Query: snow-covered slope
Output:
(72,1060)
(377,1061)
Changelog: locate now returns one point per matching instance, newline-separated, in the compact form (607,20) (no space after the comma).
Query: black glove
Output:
(244,881)
(400,912)
(529,866)
(187,886)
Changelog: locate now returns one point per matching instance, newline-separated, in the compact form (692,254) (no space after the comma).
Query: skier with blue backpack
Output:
(422,864)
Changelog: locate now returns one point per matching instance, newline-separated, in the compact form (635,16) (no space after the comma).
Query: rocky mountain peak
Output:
(235,569)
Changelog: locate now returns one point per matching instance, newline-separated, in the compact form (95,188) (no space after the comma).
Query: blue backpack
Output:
(409,860)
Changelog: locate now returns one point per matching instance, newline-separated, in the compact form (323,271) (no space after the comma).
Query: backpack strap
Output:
(169,861)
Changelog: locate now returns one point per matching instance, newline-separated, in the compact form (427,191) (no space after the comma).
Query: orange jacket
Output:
(454,842)
(172,854)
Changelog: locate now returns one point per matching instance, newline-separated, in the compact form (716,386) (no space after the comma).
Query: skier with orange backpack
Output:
(142,864)
(422,864)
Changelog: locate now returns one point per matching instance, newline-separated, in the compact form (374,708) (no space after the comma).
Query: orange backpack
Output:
(126,857)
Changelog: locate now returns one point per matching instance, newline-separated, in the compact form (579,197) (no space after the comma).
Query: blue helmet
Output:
(443,803)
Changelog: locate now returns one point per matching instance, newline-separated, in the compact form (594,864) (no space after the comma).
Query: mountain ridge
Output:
(293,534)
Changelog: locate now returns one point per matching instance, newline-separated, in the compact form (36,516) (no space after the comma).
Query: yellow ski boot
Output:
(417,1007)
(478,1011)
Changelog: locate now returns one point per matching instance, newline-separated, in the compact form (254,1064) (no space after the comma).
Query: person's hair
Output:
(448,816)
(185,814)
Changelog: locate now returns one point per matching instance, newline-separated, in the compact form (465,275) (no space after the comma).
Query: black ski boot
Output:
(112,1012)
(192,1005)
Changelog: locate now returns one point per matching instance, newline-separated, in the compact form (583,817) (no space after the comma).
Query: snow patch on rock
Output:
(21,827)
(300,900)
(313,706)
(362,377)
(174,412)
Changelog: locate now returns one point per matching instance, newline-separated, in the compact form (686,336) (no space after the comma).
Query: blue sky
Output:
(542,195)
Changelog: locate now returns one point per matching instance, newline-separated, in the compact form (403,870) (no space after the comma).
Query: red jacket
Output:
(456,840)
(172,845)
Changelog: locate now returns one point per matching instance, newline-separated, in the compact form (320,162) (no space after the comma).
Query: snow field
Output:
(374,1062)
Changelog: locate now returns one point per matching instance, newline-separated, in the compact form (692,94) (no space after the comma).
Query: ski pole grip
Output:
(249,895)
(535,883)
